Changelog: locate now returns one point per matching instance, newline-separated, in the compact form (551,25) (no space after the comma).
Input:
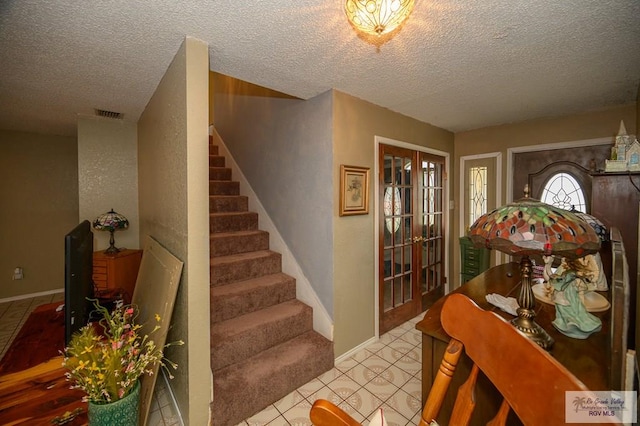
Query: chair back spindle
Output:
(532,383)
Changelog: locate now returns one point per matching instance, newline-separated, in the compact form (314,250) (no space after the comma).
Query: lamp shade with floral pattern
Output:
(111,221)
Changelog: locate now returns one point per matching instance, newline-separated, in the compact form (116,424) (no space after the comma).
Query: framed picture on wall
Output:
(354,190)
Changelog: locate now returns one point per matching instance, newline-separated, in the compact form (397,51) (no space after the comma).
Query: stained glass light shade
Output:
(377,17)
(594,222)
(111,221)
(527,227)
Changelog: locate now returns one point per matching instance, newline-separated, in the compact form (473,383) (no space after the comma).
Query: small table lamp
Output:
(527,227)
(111,221)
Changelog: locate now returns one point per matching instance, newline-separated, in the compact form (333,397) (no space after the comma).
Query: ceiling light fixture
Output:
(378,17)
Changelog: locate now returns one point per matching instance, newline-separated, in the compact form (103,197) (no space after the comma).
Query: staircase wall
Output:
(285,149)
(322,321)
(172,183)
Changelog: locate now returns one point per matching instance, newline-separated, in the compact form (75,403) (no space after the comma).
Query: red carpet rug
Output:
(40,339)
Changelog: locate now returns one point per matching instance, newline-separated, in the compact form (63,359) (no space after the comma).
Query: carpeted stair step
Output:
(228,203)
(243,297)
(244,266)
(216,160)
(219,173)
(226,243)
(246,335)
(245,388)
(263,345)
(224,187)
(233,221)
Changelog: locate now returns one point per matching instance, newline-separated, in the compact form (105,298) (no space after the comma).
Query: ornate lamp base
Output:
(112,248)
(526,325)
(525,320)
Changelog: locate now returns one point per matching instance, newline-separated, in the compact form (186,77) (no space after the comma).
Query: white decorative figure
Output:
(625,153)
(567,287)
(622,142)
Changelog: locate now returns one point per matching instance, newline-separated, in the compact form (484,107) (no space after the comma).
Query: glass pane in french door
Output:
(397,224)
(399,296)
(432,228)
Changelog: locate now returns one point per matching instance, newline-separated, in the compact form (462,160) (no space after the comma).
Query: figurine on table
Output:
(566,287)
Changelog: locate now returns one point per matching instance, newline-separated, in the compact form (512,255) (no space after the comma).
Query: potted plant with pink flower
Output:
(106,360)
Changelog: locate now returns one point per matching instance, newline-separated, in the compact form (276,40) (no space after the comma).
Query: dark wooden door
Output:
(613,198)
(430,250)
(411,232)
(535,167)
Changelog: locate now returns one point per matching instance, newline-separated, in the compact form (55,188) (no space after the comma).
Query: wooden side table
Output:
(113,273)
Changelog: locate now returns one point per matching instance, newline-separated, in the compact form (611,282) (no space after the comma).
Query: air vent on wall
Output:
(109,114)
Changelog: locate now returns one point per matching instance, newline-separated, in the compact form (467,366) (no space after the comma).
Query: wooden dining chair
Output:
(532,382)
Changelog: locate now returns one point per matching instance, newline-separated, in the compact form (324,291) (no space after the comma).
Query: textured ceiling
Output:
(456,64)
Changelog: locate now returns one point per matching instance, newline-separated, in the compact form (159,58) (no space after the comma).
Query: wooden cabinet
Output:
(474,261)
(615,200)
(117,272)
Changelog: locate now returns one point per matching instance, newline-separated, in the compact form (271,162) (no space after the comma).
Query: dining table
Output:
(588,359)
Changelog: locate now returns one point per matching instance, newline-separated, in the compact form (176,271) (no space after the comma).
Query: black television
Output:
(78,278)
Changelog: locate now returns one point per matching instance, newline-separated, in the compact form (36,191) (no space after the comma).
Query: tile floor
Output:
(14,314)
(385,374)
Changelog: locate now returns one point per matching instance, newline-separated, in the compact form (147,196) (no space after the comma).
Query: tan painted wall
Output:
(174,210)
(356,123)
(108,176)
(600,124)
(39,192)
(292,136)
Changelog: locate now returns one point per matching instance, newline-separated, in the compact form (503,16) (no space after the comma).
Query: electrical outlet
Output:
(18,274)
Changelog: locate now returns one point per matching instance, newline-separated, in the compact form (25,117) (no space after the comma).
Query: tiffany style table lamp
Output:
(111,221)
(529,227)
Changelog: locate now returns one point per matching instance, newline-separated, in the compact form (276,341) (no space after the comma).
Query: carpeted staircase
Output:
(263,345)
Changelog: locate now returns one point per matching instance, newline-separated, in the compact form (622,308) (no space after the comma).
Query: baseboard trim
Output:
(355,350)
(30,295)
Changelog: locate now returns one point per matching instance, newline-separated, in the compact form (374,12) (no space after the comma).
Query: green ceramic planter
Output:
(123,412)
